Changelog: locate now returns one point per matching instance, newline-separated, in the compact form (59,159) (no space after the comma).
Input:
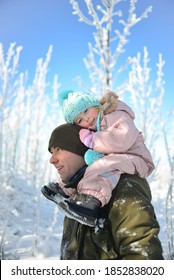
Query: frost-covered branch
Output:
(127,25)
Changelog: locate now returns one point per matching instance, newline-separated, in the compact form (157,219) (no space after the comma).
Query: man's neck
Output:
(76,178)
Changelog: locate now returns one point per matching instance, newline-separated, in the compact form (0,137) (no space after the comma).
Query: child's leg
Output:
(102,176)
(99,185)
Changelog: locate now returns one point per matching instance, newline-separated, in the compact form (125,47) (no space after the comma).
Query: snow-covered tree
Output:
(147,99)
(168,135)
(112,29)
(28,113)
(8,89)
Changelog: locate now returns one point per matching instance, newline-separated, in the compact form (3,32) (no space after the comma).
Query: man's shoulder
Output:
(131,186)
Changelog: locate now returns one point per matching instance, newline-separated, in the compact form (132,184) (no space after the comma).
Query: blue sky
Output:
(36,24)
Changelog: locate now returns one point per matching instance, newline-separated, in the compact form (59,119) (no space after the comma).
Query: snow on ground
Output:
(31,226)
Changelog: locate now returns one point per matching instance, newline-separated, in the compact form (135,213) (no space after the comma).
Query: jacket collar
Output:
(76,178)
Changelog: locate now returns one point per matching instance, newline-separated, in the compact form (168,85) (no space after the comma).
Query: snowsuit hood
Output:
(121,106)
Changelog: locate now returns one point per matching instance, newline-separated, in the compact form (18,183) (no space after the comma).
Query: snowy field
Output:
(31,226)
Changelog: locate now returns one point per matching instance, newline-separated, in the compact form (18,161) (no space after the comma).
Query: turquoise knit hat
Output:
(75,102)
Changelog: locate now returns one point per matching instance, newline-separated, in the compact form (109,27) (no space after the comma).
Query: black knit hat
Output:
(66,137)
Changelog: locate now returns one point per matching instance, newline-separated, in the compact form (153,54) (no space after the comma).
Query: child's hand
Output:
(86,137)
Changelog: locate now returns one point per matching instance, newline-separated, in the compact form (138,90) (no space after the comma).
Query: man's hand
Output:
(86,137)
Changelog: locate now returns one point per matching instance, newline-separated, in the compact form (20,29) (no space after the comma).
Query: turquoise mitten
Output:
(91,156)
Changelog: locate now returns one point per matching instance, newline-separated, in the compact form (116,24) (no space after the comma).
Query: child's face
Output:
(88,118)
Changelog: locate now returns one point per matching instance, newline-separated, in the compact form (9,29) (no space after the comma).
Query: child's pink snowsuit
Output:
(125,152)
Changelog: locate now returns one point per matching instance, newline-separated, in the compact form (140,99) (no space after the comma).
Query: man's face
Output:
(66,163)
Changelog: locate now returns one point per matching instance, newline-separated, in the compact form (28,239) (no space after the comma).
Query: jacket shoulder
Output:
(133,221)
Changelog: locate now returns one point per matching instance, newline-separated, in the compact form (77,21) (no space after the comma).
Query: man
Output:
(130,229)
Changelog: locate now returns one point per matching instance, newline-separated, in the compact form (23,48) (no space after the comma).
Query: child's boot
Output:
(83,208)
(53,192)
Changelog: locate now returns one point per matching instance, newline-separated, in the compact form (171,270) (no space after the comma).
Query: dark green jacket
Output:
(130,230)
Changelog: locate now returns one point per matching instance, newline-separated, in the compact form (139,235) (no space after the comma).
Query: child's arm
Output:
(109,102)
(117,138)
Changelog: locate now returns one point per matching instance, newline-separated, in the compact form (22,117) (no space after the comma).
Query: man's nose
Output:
(53,159)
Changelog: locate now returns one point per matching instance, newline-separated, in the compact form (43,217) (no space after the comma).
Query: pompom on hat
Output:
(75,102)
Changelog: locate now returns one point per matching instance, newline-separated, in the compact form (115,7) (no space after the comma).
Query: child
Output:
(108,128)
